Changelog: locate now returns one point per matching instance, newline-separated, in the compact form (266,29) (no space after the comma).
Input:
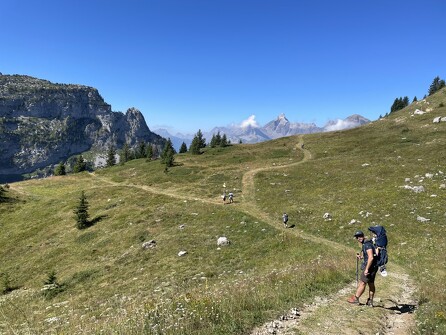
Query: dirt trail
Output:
(333,314)
(392,315)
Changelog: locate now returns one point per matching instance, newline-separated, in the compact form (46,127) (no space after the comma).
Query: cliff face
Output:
(42,123)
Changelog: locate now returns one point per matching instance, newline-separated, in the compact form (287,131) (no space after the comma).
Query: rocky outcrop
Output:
(42,123)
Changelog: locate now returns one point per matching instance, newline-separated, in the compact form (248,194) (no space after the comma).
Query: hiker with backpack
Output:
(285,219)
(369,269)
(380,243)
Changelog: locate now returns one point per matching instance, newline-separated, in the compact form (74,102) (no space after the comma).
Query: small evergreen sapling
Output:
(81,212)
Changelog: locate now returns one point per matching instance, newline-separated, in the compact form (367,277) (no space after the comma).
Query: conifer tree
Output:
(111,156)
(224,141)
(167,156)
(436,85)
(198,142)
(126,153)
(60,170)
(183,148)
(2,193)
(213,141)
(141,150)
(149,152)
(80,165)
(81,212)
(414,99)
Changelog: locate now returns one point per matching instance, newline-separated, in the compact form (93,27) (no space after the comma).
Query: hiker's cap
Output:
(359,233)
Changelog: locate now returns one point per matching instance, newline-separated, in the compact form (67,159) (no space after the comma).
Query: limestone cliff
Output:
(42,123)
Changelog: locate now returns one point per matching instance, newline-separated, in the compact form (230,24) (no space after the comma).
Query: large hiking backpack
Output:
(381,243)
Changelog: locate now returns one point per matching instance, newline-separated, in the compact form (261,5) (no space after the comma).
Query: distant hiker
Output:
(231,197)
(285,219)
(369,270)
(224,197)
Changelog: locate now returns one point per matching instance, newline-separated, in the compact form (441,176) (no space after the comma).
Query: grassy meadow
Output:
(109,284)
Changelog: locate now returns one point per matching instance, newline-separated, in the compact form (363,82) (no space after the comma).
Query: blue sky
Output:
(196,64)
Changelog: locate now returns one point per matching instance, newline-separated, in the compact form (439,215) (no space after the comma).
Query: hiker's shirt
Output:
(366,246)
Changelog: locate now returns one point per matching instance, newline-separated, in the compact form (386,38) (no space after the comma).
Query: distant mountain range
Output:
(250,132)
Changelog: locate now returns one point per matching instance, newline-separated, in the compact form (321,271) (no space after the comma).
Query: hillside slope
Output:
(110,283)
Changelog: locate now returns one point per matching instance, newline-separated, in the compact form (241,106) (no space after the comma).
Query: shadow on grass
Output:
(96,220)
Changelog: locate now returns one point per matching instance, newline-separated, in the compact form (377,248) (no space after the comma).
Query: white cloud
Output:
(251,121)
(340,125)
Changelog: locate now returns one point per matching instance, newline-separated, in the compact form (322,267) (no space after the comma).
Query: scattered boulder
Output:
(223,241)
(419,112)
(354,221)
(327,217)
(443,186)
(149,244)
(429,175)
(407,180)
(416,189)
(182,253)
(422,219)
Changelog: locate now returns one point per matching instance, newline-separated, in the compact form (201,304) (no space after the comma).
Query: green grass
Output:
(109,284)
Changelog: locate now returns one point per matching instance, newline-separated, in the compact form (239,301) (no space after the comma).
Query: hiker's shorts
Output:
(370,278)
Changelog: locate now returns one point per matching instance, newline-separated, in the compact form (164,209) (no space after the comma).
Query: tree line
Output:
(400,103)
(148,151)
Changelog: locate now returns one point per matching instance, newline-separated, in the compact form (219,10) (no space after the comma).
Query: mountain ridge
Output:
(43,123)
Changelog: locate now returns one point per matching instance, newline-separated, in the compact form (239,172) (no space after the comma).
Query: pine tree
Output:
(213,141)
(80,165)
(149,152)
(405,101)
(223,141)
(167,156)
(399,103)
(198,142)
(141,149)
(126,153)
(60,170)
(183,148)
(436,85)
(414,99)
(81,212)
(111,156)
(2,193)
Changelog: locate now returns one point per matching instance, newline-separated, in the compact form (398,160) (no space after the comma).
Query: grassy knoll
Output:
(109,284)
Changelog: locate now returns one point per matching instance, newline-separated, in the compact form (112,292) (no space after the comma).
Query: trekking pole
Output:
(357,269)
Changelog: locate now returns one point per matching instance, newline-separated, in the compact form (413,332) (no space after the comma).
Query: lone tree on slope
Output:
(81,212)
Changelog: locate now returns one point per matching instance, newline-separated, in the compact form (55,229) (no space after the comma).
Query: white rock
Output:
(429,175)
(327,216)
(437,119)
(419,112)
(149,244)
(407,180)
(418,189)
(365,164)
(182,253)
(443,186)
(422,219)
(223,241)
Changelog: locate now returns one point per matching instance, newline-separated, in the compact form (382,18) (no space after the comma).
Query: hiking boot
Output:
(353,300)
(369,302)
